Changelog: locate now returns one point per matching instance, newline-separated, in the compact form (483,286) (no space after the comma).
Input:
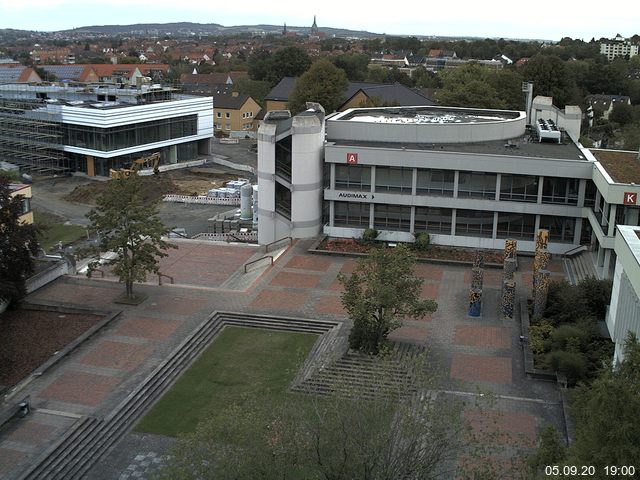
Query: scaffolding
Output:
(30,135)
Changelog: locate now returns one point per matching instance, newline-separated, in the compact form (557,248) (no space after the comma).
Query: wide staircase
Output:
(91,438)
(579,266)
(367,376)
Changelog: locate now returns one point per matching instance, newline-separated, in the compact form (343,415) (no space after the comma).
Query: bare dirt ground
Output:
(194,181)
(30,337)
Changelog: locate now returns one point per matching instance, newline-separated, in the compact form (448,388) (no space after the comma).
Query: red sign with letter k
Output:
(630,198)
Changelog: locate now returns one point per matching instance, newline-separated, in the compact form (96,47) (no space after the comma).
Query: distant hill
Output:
(189,28)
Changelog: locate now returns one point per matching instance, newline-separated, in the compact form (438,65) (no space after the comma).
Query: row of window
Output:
(117,138)
(518,188)
(228,115)
(471,223)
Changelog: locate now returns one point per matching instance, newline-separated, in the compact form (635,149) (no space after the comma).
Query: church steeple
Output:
(314,22)
(314,28)
(284,32)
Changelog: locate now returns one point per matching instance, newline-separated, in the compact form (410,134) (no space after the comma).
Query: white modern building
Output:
(624,310)
(618,47)
(468,177)
(92,128)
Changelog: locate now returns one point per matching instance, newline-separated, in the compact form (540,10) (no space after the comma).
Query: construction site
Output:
(31,137)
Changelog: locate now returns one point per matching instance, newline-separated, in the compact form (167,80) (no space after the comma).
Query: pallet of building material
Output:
(204,200)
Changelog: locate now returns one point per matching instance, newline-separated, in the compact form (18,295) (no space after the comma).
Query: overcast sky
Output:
(489,18)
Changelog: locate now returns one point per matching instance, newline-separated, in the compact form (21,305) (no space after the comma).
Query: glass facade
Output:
(474,223)
(435,182)
(433,220)
(477,185)
(560,190)
(516,225)
(347,214)
(519,188)
(283,201)
(283,158)
(126,136)
(392,217)
(561,229)
(394,179)
(352,177)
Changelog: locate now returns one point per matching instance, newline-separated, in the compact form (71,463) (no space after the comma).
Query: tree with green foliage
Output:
(256,89)
(550,78)
(128,225)
(381,291)
(289,61)
(605,413)
(323,83)
(355,65)
(473,85)
(18,245)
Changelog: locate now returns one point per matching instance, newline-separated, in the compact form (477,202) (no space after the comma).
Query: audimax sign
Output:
(357,196)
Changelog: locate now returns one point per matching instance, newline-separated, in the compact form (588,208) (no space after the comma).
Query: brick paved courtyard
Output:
(470,353)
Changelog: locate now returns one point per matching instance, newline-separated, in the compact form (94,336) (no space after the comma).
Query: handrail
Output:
(266,247)
(256,261)
(568,253)
(160,275)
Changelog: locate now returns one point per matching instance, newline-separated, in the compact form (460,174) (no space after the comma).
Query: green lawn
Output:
(54,230)
(241,364)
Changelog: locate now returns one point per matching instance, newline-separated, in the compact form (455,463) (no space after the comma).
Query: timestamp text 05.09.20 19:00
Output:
(621,471)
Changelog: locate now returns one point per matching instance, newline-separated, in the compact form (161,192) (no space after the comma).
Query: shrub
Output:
(538,334)
(572,364)
(569,335)
(422,242)
(369,235)
(597,295)
(565,303)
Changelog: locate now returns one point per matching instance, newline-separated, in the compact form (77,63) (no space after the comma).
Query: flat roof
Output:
(517,147)
(426,115)
(622,166)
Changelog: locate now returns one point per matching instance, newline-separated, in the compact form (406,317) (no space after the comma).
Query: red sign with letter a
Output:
(352,158)
(630,198)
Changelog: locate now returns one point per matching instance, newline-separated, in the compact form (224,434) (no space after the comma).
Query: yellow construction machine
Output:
(148,161)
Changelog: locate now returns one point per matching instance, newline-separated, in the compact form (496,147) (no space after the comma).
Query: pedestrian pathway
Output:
(473,355)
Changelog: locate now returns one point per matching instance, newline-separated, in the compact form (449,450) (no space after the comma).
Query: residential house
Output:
(618,47)
(357,94)
(24,191)
(605,103)
(18,74)
(235,114)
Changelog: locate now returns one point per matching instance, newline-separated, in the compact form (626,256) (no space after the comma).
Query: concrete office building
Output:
(624,310)
(92,128)
(468,177)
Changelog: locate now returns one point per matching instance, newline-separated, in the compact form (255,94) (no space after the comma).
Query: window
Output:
(392,217)
(347,214)
(251,114)
(474,223)
(219,126)
(283,158)
(132,135)
(477,185)
(590,194)
(516,225)
(519,188)
(353,177)
(561,229)
(560,190)
(435,182)
(227,126)
(394,179)
(433,220)
(219,114)
(283,201)
(227,115)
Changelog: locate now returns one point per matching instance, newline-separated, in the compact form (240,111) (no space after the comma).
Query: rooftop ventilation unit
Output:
(548,131)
